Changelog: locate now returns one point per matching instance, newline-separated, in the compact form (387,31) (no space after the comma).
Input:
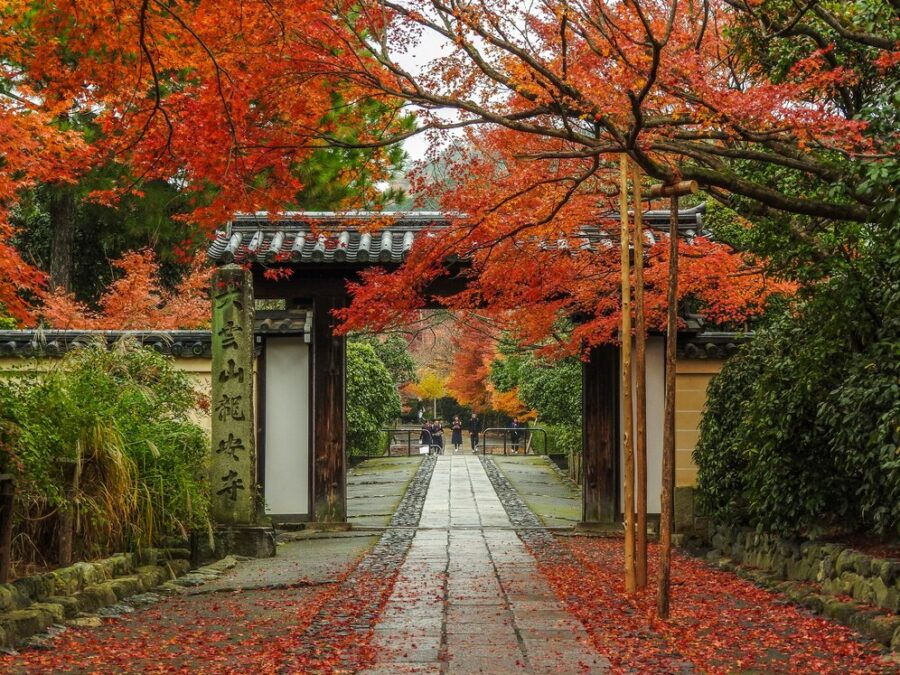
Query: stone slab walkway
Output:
(469,598)
(308,560)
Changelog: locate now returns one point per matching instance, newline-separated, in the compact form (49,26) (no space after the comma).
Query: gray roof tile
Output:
(312,238)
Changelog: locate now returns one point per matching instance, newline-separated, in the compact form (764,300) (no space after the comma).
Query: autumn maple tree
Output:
(137,300)
(228,106)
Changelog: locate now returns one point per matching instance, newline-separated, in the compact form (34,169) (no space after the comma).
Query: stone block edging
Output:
(856,589)
(33,604)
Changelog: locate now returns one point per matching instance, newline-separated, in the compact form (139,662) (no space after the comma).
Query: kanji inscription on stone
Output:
(232,446)
(230,407)
(231,483)
(232,370)
(233,460)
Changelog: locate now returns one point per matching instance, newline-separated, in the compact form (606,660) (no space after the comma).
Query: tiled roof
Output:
(324,237)
(711,344)
(37,342)
(180,343)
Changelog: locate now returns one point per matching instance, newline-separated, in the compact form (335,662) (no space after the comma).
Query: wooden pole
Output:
(626,378)
(640,387)
(667,506)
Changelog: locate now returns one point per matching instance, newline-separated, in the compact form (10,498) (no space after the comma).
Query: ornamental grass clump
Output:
(105,453)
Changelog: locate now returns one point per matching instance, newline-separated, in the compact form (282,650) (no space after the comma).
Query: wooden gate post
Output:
(599,437)
(329,413)
(7,502)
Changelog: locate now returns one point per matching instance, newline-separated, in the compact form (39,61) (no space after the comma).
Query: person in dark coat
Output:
(437,435)
(456,437)
(514,435)
(425,436)
(474,430)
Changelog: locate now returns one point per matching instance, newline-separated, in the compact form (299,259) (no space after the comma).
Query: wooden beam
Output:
(680,189)
(627,412)
(329,414)
(600,435)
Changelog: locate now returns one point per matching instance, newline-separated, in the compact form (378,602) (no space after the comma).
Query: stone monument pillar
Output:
(234,498)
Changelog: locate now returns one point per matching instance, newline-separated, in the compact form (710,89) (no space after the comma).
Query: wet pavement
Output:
(469,597)
(555,499)
(300,559)
(375,488)
(443,585)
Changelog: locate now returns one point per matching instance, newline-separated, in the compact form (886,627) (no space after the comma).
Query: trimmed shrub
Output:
(372,400)
(801,432)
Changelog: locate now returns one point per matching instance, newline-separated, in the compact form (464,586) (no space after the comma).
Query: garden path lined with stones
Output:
(469,597)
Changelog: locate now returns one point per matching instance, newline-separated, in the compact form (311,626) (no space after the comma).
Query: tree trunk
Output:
(640,374)
(7,499)
(627,418)
(67,518)
(667,506)
(62,237)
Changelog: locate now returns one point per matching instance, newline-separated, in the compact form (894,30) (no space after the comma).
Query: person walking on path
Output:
(474,430)
(425,438)
(456,437)
(437,434)
(514,435)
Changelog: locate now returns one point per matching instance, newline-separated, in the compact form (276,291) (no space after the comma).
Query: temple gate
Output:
(300,417)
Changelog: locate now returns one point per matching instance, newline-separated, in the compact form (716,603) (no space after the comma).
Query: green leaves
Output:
(372,399)
(125,415)
(802,428)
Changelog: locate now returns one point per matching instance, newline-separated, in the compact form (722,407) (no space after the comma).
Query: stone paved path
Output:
(469,597)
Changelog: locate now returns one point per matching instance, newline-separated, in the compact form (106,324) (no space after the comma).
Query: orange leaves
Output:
(720,623)
(473,352)
(540,261)
(226,99)
(137,301)
(34,150)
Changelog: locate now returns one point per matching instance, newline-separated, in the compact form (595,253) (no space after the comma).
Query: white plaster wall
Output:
(287,459)
(655,409)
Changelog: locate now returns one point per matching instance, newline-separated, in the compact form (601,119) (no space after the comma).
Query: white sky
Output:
(417,59)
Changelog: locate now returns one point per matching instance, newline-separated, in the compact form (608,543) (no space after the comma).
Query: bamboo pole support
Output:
(640,387)
(667,506)
(627,417)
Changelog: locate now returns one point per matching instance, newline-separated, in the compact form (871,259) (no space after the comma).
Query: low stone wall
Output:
(820,576)
(32,604)
(840,570)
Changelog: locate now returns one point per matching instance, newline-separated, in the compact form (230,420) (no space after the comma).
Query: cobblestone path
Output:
(469,597)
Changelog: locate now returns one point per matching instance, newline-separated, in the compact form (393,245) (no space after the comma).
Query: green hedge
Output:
(561,439)
(802,432)
(373,402)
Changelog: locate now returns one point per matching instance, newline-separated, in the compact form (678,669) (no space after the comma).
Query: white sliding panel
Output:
(656,392)
(287,427)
